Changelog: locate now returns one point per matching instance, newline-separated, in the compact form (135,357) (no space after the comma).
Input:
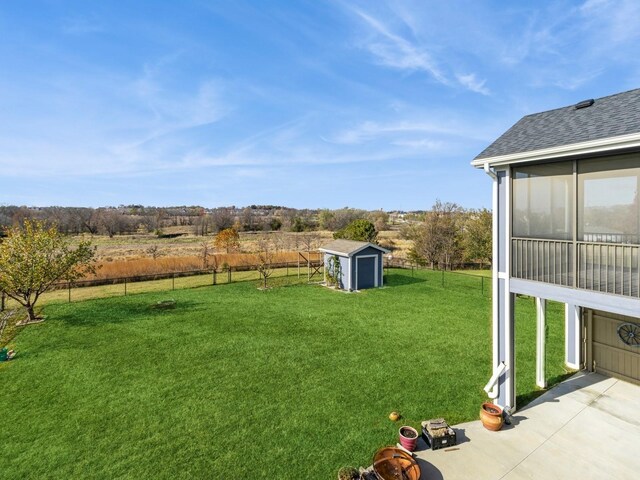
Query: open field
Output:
(127,255)
(235,382)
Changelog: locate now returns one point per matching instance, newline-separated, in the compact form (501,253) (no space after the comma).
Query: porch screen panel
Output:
(608,209)
(542,223)
(543,201)
(609,224)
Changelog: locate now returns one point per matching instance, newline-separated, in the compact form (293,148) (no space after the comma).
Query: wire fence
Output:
(469,282)
(281,274)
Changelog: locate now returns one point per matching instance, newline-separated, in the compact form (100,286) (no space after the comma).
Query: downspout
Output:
(492,386)
(488,171)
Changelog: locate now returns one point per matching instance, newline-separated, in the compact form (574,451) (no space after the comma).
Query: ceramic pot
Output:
(491,416)
(408,437)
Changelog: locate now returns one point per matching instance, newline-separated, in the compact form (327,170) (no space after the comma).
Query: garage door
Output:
(610,345)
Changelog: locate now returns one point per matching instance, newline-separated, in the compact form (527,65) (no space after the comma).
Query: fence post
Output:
(214,276)
(173,281)
(69,288)
(229,275)
(125,286)
(2,302)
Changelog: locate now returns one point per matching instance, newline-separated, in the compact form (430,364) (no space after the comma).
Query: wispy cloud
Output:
(400,130)
(394,51)
(395,44)
(474,84)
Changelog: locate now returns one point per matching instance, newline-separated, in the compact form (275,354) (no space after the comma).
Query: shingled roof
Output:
(607,117)
(349,247)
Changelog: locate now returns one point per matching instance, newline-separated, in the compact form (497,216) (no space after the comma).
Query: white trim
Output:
(541,321)
(375,263)
(581,148)
(349,274)
(510,387)
(333,252)
(629,306)
(351,254)
(494,280)
(566,335)
(577,343)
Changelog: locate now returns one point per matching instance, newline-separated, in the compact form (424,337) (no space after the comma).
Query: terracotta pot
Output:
(491,416)
(391,463)
(408,437)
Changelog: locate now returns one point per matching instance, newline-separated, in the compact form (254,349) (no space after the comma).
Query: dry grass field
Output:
(147,254)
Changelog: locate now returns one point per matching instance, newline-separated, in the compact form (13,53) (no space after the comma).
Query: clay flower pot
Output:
(408,437)
(491,416)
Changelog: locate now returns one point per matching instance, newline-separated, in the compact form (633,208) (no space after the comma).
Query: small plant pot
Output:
(491,416)
(408,437)
(348,473)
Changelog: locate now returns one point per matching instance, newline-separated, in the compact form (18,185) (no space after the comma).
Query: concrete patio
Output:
(587,427)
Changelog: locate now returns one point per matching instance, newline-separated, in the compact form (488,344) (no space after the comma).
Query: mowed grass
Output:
(288,383)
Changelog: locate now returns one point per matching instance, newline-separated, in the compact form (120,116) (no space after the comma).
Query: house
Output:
(566,227)
(357,265)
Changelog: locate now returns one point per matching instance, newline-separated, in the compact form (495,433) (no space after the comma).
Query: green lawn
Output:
(235,382)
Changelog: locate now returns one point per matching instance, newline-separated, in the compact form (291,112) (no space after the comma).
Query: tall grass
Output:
(149,266)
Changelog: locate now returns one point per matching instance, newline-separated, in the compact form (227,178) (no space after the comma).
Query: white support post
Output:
(541,317)
(572,333)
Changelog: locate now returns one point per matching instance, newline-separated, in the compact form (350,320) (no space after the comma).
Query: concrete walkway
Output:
(587,427)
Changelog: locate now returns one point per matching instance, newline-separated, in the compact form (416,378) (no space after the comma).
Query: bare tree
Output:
(438,239)
(221,219)
(154,251)
(265,259)
(278,241)
(111,222)
(308,240)
(204,249)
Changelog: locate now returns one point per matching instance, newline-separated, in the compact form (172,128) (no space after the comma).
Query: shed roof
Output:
(611,116)
(349,247)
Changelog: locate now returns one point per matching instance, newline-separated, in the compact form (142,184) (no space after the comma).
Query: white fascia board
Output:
(583,148)
(333,252)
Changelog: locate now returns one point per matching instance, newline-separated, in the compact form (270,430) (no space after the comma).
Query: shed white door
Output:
(606,351)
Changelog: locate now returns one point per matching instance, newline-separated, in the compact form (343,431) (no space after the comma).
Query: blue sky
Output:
(307,104)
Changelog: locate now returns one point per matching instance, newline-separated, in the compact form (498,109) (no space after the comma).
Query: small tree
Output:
(361,230)
(227,240)
(437,240)
(36,256)
(477,236)
(154,251)
(204,249)
(265,260)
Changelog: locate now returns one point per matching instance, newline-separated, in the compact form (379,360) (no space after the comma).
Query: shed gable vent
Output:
(585,103)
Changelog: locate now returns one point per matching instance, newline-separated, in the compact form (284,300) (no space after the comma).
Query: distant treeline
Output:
(126,219)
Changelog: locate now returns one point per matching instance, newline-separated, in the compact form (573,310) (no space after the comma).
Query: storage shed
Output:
(357,265)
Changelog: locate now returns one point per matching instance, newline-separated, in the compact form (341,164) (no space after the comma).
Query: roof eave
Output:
(352,253)
(583,148)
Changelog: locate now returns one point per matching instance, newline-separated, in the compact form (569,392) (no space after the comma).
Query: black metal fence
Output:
(284,273)
(446,278)
(281,273)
